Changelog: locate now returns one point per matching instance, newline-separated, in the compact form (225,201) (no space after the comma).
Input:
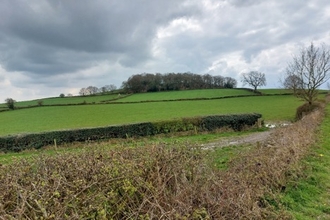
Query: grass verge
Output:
(307,195)
(180,138)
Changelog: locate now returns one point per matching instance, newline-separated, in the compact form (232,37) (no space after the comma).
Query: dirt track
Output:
(260,137)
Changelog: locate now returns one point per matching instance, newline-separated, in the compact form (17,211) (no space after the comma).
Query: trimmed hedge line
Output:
(206,123)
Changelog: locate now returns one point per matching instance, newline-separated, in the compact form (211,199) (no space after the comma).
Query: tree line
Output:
(148,82)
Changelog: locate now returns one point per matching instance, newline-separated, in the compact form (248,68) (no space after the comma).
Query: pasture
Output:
(186,94)
(275,91)
(67,100)
(47,118)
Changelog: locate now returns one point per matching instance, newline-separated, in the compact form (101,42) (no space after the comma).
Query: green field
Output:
(273,108)
(156,96)
(275,91)
(284,91)
(152,96)
(185,94)
(66,100)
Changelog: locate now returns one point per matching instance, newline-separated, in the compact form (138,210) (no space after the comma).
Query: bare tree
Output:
(254,79)
(294,83)
(92,90)
(111,87)
(312,67)
(107,88)
(103,90)
(83,92)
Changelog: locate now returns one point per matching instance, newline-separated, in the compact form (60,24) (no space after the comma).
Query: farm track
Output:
(259,137)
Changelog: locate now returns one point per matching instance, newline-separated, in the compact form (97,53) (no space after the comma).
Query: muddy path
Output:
(261,137)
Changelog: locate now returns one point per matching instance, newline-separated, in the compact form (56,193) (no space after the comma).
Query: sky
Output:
(49,47)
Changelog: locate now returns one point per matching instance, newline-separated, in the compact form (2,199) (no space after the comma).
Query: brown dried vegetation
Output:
(156,182)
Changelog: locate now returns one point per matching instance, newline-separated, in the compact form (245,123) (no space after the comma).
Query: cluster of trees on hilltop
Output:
(92,90)
(148,82)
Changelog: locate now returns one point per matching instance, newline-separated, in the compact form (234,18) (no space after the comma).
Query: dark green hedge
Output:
(206,123)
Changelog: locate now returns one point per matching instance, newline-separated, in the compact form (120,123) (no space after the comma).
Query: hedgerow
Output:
(156,182)
(209,123)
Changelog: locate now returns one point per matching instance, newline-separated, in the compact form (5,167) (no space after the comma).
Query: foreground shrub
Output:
(143,183)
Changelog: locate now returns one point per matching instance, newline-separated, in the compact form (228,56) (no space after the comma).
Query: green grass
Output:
(219,157)
(66,100)
(186,94)
(308,197)
(275,91)
(273,108)
(283,91)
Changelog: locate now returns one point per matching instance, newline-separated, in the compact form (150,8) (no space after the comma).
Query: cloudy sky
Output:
(48,47)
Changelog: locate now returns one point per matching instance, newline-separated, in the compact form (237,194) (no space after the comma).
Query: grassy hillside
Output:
(275,91)
(69,117)
(66,100)
(186,94)
(284,91)
(151,96)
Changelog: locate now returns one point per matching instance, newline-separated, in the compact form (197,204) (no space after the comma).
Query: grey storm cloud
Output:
(244,3)
(56,36)
(61,45)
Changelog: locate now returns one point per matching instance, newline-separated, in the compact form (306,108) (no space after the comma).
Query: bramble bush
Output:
(306,109)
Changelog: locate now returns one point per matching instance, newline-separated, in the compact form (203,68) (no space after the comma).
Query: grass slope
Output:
(275,91)
(40,119)
(185,94)
(220,157)
(66,100)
